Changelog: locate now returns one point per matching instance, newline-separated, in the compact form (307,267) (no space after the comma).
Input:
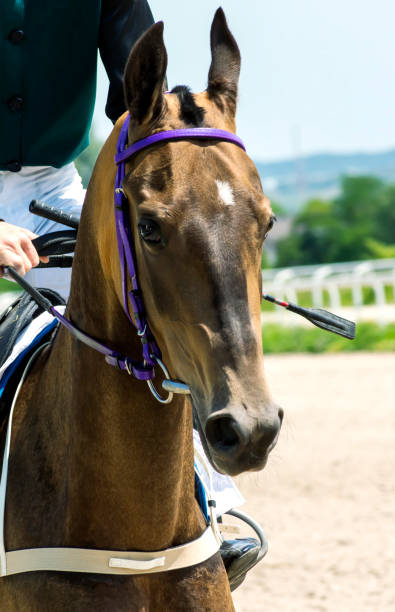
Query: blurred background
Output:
(316,112)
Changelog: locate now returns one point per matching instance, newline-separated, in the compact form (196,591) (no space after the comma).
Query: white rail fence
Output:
(327,286)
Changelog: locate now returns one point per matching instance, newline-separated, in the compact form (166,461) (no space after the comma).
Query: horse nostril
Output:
(271,431)
(223,433)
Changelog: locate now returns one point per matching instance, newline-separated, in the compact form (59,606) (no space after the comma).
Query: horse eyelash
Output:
(273,218)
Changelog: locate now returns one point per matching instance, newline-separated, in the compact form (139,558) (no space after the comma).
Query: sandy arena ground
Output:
(327,496)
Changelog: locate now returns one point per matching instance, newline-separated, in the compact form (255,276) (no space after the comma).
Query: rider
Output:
(48,91)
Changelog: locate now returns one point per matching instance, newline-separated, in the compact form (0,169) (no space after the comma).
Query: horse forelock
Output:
(190,112)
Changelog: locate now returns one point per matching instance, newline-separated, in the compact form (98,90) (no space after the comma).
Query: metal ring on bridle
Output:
(151,385)
(142,332)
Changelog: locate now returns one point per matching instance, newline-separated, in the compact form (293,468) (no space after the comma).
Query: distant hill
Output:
(292,182)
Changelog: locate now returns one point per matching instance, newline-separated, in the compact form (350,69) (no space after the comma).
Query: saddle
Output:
(13,321)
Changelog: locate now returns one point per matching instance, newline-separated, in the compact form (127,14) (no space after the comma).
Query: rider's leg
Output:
(58,187)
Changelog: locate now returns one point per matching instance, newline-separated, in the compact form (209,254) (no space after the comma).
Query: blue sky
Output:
(316,76)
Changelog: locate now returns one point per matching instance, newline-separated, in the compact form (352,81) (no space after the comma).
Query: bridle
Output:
(151,352)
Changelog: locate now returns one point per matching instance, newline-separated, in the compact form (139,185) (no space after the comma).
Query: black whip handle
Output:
(54,214)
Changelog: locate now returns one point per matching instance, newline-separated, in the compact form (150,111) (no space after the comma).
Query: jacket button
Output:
(16,36)
(14,166)
(15,104)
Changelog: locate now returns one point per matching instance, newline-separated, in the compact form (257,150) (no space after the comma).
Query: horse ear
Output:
(144,77)
(223,76)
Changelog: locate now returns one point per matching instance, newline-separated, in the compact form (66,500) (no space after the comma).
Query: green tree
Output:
(309,241)
(342,229)
(379,250)
(386,216)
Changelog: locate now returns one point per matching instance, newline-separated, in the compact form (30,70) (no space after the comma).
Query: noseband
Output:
(127,257)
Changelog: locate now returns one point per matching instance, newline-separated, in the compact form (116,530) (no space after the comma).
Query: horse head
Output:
(199,218)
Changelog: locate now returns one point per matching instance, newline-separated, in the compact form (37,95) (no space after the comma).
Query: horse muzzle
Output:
(238,442)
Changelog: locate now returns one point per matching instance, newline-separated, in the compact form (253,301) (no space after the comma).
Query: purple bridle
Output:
(143,370)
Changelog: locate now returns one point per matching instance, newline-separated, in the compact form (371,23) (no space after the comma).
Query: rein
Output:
(151,354)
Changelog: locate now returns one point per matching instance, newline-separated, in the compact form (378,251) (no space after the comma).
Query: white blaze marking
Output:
(225,193)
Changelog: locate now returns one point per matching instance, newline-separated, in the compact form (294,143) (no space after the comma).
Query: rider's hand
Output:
(17,250)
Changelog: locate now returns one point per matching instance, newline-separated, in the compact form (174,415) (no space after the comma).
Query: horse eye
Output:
(273,218)
(149,231)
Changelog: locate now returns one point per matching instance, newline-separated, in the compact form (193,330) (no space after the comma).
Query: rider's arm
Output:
(16,248)
(122,23)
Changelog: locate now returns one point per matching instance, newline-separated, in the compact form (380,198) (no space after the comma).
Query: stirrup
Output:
(259,532)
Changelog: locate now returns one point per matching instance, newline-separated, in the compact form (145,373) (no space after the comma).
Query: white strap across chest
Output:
(111,561)
(91,560)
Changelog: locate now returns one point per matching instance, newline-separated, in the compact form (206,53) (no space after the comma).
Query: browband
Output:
(182,134)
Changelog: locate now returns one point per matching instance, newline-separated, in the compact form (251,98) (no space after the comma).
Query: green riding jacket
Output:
(48,59)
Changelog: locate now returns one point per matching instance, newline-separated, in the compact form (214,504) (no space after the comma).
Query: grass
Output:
(6,286)
(369,337)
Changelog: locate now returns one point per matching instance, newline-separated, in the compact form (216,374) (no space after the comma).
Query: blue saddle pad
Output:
(24,355)
(201,496)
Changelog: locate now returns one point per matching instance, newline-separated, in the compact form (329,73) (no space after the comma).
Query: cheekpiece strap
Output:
(127,260)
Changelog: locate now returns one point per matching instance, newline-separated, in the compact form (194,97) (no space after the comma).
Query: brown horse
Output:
(95,461)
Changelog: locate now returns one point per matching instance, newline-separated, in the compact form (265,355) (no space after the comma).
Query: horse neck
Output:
(131,458)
